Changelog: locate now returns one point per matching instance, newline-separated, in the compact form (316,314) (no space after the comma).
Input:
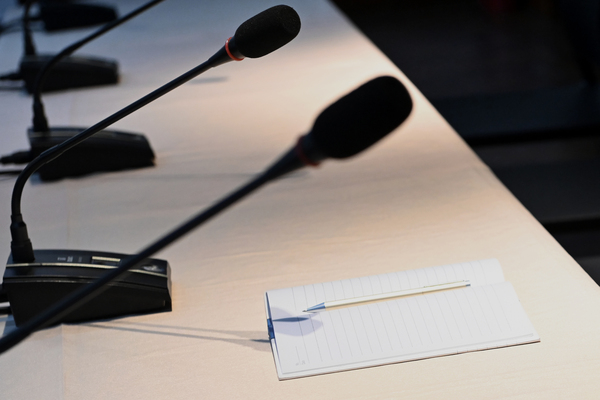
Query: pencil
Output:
(389,295)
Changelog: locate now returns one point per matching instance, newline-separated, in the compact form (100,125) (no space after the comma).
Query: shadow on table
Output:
(256,340)
(215,79)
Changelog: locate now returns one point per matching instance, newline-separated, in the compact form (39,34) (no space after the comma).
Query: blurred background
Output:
(518,80)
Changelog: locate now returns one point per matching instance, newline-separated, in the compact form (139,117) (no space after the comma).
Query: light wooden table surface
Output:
(419,198)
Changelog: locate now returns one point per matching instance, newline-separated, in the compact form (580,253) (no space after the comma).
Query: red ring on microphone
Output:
(303,156)
(229,52)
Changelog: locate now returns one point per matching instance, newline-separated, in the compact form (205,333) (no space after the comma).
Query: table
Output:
(419,198)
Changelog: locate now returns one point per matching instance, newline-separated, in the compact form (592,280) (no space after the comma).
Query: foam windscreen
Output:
(362,117)
(267,31)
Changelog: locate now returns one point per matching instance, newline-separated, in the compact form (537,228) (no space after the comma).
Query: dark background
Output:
(518,80)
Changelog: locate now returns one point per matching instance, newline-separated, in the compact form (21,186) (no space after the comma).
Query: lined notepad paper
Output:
(485,315)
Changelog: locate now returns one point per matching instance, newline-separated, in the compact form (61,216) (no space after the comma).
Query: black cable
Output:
(19,157)
(11,172)
(12,76)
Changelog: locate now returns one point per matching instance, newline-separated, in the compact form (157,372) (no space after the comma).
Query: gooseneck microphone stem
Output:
(287,163)
(40,123)
(21,248)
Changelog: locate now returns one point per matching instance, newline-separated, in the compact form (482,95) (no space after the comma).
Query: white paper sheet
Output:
(485,315)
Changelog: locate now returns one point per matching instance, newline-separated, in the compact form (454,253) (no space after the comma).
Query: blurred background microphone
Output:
(109,150)
(114,150)
(56,15)
(344,129)
(71,72)
(60,15)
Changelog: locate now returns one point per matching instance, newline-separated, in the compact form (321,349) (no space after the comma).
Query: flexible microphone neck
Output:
(21,244)
(40,122)
(219,58)
(22,250)
(258,36)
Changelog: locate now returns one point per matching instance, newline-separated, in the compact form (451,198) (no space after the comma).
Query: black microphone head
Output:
(361,118)
(267,31)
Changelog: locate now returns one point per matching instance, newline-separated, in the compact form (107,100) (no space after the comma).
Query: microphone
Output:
(60,271)
(344,129)
(72,72)
(350,125)
(108,151)
(58,16)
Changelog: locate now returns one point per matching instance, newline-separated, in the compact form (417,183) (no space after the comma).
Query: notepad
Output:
(482,316)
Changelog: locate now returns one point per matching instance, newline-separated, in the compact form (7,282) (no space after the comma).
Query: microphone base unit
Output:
(33,287)
(105,151)
(70,72)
